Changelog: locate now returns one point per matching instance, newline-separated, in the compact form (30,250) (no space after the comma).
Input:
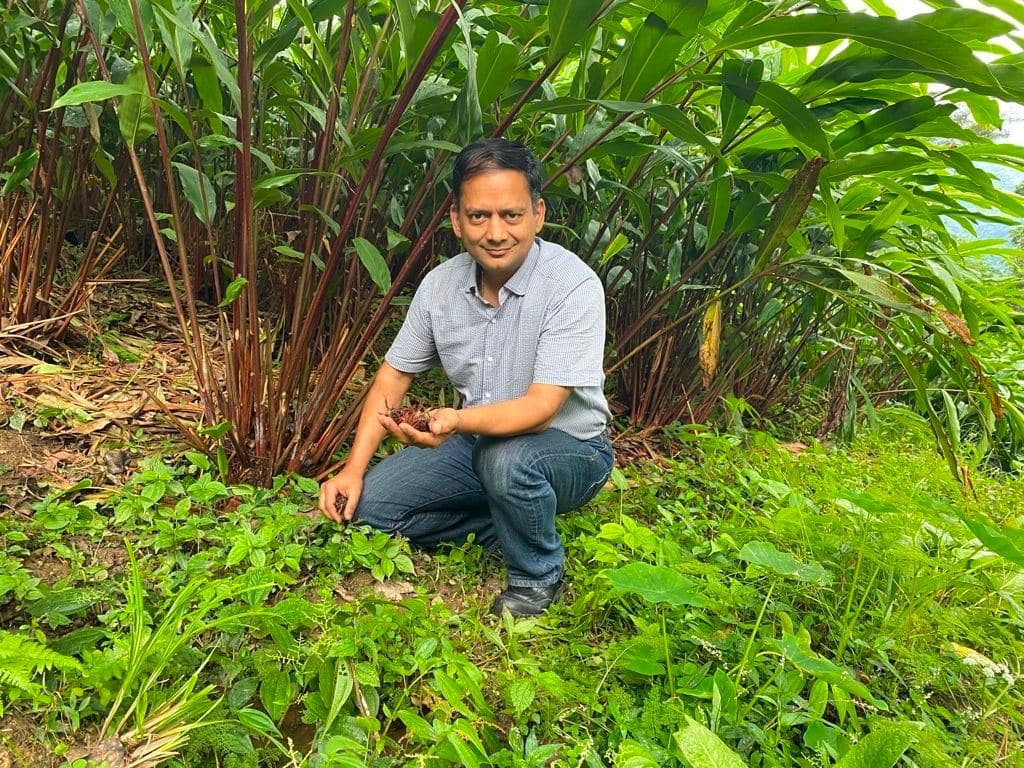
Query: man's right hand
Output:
(349,484)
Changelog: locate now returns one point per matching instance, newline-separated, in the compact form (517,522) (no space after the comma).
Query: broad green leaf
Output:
(469,123)
(97,90)
(862,65)
(276,693)
(879,226)
(796,117)
(798,652)
(255,720)
(748,213)
(290,253)
(234,290)
(407,29)
(719,203)
(655,584)
(374,262)
(740,81)
(701,748)
(568,21)
(880,126)
(675,121)
(632,754)
(767,556)
(651,53)
(220,66)
(870,164)
(521,695)
(1011,8)
(496,61)
(199,191)
(277,180)
(832,213)
(426,23)
(906,39)
(967,25)
(177,35)
(22,166)
(341,689)
(1007,542)
(123,11)
(952,419)
(882,748)
(405,145)
(419,728)
(323,58)
(642,660)
(817,701)
(614,247)
(884,293)
(208,88)
(135,112)
(467,757)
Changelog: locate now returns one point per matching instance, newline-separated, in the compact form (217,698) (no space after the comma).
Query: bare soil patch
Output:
(19,747)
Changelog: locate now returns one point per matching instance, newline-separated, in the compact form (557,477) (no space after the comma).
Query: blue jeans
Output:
(506,491)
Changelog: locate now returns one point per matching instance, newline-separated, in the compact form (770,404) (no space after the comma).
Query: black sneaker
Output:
(527,601)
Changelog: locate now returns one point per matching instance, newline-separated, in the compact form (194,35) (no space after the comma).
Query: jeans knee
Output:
(503,465)
(376,516)
(493,462)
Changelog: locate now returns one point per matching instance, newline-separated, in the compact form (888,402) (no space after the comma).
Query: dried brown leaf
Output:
(711,337)
(956,326)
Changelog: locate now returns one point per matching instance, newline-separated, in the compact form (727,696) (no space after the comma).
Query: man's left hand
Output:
(443,424)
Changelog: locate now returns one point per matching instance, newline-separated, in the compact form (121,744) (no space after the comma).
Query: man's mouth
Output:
(497,252)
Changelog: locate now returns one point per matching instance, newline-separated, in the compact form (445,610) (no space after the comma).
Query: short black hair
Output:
(496,155)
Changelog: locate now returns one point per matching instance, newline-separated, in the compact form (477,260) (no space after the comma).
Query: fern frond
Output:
(23,656)
(12,678)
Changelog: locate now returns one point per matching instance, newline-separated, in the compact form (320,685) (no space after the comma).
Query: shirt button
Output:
(490,359)
(487,394)
(493,320)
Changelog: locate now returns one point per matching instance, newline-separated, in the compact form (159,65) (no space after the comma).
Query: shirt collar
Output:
(517,283)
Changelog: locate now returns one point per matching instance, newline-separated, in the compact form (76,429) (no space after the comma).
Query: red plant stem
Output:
(245,345)
(197,352)
(32,247)
(316,308)
(323,151)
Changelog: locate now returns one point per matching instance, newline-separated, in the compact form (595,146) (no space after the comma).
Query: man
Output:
(518,325)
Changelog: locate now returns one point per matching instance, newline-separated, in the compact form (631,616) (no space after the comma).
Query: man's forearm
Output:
(530,413)
(387,390)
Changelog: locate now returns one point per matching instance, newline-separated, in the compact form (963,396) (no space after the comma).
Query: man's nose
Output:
(496,229)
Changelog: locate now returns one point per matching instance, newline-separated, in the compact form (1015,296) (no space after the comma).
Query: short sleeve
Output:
(570,351)
(414,350)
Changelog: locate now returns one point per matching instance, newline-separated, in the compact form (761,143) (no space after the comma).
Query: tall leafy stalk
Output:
(751,206)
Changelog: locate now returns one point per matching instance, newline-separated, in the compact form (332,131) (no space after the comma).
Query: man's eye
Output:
(476,217)
(513,216)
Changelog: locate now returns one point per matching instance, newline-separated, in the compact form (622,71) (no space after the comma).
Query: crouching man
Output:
(518,325)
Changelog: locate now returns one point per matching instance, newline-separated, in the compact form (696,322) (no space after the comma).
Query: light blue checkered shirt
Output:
(549,329)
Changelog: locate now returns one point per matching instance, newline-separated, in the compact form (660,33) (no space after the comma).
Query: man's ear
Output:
(539,210)
(453,214)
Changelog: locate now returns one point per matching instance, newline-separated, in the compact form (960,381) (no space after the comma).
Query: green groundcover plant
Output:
(745,602)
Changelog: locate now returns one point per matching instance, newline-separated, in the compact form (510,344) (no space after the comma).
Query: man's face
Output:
(497,221)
